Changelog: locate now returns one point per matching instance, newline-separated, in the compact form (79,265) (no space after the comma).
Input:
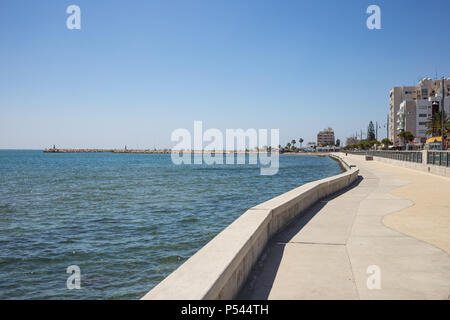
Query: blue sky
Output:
(137,70)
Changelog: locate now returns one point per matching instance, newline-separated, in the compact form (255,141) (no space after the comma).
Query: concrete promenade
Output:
(394,218)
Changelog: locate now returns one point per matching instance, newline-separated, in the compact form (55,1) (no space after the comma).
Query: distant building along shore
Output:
(325,138)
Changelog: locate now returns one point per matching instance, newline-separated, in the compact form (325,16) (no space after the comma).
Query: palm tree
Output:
(434,124)
(301,141)
(293,145)
(288,146)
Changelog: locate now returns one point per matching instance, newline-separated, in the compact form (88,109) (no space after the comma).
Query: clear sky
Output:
(137,70)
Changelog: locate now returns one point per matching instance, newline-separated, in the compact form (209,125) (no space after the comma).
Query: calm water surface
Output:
(127,220)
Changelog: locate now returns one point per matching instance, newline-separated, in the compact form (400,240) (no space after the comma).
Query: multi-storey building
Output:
(325,137)
(406,118)
(423,112)
(414,100)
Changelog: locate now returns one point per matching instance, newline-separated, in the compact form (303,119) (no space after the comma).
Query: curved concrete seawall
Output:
(220,268)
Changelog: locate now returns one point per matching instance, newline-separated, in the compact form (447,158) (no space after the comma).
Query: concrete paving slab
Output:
(380,194)
(408,268)
(333,225)
(369,226)
(382,207)
(306,271)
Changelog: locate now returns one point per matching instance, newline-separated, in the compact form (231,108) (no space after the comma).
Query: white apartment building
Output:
(423,112)
(310,146)
(412,114)
(412,117)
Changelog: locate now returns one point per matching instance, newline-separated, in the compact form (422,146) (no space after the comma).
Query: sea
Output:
(125,221)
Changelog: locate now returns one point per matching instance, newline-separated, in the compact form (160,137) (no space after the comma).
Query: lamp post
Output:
(387,126)
(442,113)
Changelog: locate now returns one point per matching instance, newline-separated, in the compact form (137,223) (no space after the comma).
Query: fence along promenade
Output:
(431,161)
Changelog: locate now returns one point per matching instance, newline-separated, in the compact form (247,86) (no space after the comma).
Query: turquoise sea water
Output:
(127,220)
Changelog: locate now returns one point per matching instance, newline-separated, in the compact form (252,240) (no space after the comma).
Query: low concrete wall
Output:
(220,268)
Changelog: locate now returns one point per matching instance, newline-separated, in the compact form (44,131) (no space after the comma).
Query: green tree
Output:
(370,132)
(364,145)
(338,143)
(301,141)
(409,136)
(401,135)
(386,142)
(406,136)
(374,142)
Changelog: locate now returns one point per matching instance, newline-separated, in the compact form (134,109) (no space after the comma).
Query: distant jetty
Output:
(65,150)
(168,151)
(164,151)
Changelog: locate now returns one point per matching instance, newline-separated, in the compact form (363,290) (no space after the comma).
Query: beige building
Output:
(427,90)
(325,137)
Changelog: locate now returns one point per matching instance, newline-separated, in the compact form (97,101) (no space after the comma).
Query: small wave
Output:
(7,208)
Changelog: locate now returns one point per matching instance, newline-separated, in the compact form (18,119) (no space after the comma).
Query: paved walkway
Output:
(326,253)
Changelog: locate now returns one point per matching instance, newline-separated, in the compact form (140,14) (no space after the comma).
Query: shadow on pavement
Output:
(263,273)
